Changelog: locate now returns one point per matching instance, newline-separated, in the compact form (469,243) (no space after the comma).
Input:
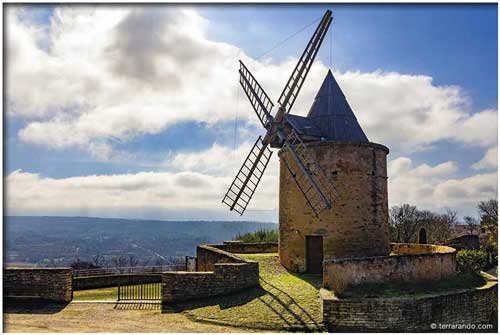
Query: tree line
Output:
(99,261)
(406,220)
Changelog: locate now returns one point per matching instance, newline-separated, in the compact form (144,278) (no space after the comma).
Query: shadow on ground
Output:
(32,306)
(298,313)
(268,306)
(138,306)
(223,302)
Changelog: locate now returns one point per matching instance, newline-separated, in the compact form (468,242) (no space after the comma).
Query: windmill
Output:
(283,132)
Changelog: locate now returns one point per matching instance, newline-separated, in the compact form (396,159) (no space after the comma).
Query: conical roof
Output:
(332,114)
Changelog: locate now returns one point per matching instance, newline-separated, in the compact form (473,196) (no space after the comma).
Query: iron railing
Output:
(128,270)
(139,290)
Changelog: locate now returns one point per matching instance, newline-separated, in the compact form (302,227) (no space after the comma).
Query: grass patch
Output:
(283,301)
(399,289)
(107,293)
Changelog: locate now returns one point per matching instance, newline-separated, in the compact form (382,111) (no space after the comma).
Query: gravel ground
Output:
(101,317)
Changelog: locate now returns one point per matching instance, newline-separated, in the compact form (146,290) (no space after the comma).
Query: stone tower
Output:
(357,223)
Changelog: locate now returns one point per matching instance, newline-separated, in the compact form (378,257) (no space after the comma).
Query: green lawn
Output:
(284,301)
(389,290)
(108,293)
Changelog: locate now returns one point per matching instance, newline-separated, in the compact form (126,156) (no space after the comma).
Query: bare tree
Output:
(488,212)
(120,262)
(98,260)
(404,222)
(146,261)
(471,224)
(158,264)
(443,226)
(132,261)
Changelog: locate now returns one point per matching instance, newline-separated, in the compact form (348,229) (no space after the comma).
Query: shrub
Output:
(261,235)
(471,261)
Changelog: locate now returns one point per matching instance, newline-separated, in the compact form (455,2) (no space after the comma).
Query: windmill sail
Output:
(248,177)
(308,175)
(312,181)
(294,84)
(260,101)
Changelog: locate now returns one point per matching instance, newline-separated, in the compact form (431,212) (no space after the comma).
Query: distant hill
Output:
(53,241)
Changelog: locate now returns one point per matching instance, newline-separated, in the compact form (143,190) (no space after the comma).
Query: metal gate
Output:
(139,290)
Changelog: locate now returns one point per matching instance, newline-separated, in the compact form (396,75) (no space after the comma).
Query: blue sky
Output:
(456,45)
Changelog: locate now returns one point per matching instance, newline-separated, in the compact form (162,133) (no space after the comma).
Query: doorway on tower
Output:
(314,254)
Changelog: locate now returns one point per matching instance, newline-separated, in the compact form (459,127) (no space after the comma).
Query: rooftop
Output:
(330,116)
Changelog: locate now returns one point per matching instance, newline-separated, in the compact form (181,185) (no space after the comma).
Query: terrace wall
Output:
(239,247)
(218,272)
(225,279)
(470,308)
(44,283)
(410,263)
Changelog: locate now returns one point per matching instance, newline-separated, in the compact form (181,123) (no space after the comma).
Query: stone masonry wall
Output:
(208,255)
(239,247)
(357,223)
(416,265)
(218,272)
(418,314)
(417,249)
(225,279)
(45,283)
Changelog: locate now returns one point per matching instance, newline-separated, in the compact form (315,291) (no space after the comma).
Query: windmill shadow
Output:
(224,302)
(299,317)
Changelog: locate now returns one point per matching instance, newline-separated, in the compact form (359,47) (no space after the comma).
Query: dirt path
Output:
(84,317)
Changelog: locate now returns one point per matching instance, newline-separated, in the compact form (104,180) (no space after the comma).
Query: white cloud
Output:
(489,161)
(196,180)
(218,161)
(432,187)
(101,74)
(163,190)
(435,187)
(114,72)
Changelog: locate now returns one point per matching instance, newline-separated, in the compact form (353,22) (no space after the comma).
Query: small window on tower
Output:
(334,175)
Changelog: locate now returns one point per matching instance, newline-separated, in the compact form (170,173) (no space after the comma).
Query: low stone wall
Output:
(209,255)
(411,263)
(239,247)
(475,306)
(219,272)
(44,283)
(419,249)
(85,283)
(225,279)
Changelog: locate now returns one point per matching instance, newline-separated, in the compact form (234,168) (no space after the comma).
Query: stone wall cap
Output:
(38,269)
(248,243)
(326,294)
(187,272)
(235,264)
(214,248)
(488,286)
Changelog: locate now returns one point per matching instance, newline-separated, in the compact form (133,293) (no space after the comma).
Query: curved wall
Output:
(410,263)
(357,223)
(444,312)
